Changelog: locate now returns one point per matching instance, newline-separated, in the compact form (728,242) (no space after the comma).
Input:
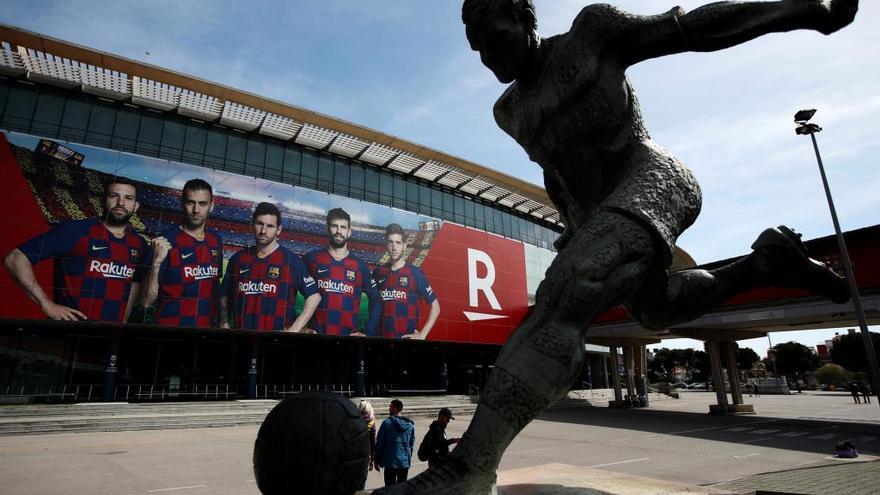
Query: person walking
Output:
(435,445)
(366,410)
(854,391)
(866,392)
(394,445)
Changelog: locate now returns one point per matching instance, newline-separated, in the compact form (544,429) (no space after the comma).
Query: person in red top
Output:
(401,286)
(259,290)
(342,278)
(187,264)
(97,262)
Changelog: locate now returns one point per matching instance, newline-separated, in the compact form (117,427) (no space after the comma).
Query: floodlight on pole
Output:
(804,127)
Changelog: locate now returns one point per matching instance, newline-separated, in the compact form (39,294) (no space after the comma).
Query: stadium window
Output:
(341,176)
(399,193)
(125,132)
(4,93)
(194,144)
(236,145)
(47,116)
(75,119)
(215,148)
(274,161)
(150,134)
(325,172)
(101,122)
(386,189)
(371,185)
(357,181)
(292,165)
(20,108)
(448,205)
(458,204)
(412,196)
(256,156)
(437,203)
(309,177)
(424,199)
(172,140)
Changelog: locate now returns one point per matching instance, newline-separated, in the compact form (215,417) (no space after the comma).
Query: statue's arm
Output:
(723,24)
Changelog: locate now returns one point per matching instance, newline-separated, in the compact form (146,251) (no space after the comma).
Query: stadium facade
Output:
(73,118)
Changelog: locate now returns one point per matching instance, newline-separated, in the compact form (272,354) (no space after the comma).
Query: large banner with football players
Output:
(100,235)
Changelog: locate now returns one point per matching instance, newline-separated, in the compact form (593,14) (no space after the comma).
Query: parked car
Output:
(698,386)
(679,385)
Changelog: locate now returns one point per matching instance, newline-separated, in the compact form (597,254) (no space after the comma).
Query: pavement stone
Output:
(859,476)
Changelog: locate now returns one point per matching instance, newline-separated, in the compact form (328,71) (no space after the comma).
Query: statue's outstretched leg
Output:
(778,258)
(605,261)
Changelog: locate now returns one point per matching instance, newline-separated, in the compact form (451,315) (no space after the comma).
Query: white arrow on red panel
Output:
(481,316)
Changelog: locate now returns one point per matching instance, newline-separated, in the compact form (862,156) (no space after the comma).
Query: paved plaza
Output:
(674,446)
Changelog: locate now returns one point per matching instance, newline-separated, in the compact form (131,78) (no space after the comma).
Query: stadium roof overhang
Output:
(48,60)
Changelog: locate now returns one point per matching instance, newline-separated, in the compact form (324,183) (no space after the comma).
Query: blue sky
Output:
(404,67)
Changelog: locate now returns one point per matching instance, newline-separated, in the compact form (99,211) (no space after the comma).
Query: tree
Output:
(795,358)
(745,358)
(702,367)
(849,351)
(831,374)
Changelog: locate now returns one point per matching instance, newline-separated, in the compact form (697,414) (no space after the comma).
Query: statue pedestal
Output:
(716,409)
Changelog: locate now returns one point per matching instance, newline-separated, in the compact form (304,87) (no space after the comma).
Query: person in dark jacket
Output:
(394,444)
(437,445)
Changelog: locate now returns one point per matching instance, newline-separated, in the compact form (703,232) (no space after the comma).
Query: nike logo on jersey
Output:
(243,270)
(381,281)
(99,248)
(185,256)
(325,270)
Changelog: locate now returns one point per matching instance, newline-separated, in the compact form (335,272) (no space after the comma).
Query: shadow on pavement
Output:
(784,433)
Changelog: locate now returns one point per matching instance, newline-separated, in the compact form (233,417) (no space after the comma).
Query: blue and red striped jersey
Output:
(401,290)
(94,269)
(261,292)
(341,283)
(189,280)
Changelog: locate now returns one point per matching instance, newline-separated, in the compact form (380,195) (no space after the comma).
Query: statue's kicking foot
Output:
(781,252)
(453,477)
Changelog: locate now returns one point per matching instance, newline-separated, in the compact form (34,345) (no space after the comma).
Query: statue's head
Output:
(504,32)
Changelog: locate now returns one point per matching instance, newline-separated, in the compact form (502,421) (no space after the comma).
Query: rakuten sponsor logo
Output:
(393,295)
(336,286)
(110,269)
(200,272)
(251,287)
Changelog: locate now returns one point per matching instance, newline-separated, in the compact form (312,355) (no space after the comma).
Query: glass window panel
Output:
(399,192)
(357,181)
(274,161)
(101,122)
(371,184)
(425,199)
(150,134)
(459,209)
(292,165)
(76,119)
(172,140)
(20,107)
(236,145)
(215,148)
(194,143)
(256,156)
(448,205)
(437,203)
(341,174)
(386,188)
(325,172)
(309,169)
(4,92)
(47,117)
(412,196)
(126,131)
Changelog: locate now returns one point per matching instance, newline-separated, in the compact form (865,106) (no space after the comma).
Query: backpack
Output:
(425,447)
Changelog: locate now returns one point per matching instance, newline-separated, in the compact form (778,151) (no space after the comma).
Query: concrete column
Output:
(717,377)
(251,391)
(605,380)
(629,371)
(732,372)
(112,370)
(615,377)
(361,370)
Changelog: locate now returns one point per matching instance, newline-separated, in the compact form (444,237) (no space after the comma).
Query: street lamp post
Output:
(804,127)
